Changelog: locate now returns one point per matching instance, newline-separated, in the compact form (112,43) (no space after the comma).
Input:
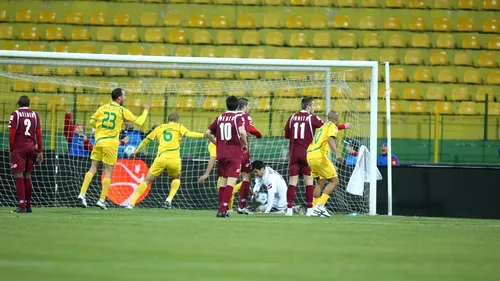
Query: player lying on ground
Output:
(276,188)
(25,136)
(108,121)
(168,158)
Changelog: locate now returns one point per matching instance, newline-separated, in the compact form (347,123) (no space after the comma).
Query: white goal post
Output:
(233,64)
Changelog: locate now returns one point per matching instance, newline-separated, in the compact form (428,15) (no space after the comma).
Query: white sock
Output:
(82,194)
(169,199)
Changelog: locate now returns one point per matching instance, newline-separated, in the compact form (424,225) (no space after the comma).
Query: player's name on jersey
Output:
(227,118)
(30,114)
(301,118)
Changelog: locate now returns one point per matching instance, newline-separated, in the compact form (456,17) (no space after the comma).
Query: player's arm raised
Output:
(188,134)
(151,136)
(251,128)
(139,121)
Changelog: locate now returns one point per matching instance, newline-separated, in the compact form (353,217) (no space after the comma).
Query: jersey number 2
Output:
(225,131)
(27,124)
(296,130)
(109,122)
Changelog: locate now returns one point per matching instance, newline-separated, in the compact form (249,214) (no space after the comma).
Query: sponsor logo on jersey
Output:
(126,177)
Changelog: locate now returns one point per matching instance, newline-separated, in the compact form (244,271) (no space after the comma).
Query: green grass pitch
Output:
(148,244)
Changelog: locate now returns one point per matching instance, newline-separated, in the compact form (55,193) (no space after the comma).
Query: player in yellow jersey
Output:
(169,136)
(212,150)
(108,121)
(321,166)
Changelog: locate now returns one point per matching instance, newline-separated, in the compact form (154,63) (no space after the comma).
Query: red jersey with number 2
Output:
(26,122)
(300,130)
(225,128)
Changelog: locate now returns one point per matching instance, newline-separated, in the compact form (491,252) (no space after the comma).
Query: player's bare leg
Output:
(290,194)
(174,187)
(244,192)
(94,167)
(140,190)
(28,188)
(106,183)
(21,193)
(320,209)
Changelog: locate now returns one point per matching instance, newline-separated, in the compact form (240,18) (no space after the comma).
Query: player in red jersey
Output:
(25,136)
(228,133)
(246,168)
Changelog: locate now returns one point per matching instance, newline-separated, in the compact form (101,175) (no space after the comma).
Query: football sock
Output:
(244,191)
(20,190)
(290,195)
(105,188)
(221,199)
(322,200)
(86,182)
(28,189)
(309,196)
(228,192)
(218,182)
(138,192)
(315,201)
(235,190)
(174,187)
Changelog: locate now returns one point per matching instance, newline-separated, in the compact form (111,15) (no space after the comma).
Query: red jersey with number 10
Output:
(300,129)
(225,128)
(24,125)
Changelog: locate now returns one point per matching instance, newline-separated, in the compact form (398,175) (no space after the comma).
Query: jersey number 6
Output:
(167,136)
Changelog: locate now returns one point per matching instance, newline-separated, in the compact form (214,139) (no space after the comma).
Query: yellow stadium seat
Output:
(263,103)
(61,48)
(393,23)
(261,94)
(54,34)
(153,35)
(225,37)
(47,16)
(322,39)
(11,46)
(214,88)
(75,18)
(418,107)
(394,4)
(347,40)
(466,5)
(331,55)
(59,102)
(275,38)
(420,41)
(225,2)
(435,93)
(494,108)
(492,25)
(439,58)
(256,53)
(30,33)
(294,22)
(322,3)
(412,93)
(487,60)
(41,70)
(491,5)
(80,34)
(212,104)
(98,18)
(22,86)
(462,58)
(341,21)
(298,39)
(367,22)
(105,34)
(417,4)
(398,74)
(121,19)
(286,93)
(422,74)
(443,107)
(15,68)
(389,55)
(172,19)
(467,108)
(89,71)
(442,4)
(447,75)
(220,21)
(346,3)
(6,32)
(245,21)
(360,54)
(201,37)
(197,21)
(135,87)
(136,50)
(187,89)
(318,21)
(312,92)
(397,40)
(472,76)
(465,25)
(149,19)
(177,36)
(84,103)
(445,41)
(201,1)
(493,77)
(3,16)
(158,50)
(207,52)
(460,93)
(23,15)
(396,107)
(471,42)
(372,39)
(307,54)
(113,49)
(46,87)
(413,57)
(271,21)
(417,24)
(280,54)
(481,93)
(129,34)
(273,2)
(250,37)
(493,42)
(370,3)
(85,48)
(363,106)
(232,52)
(441,24)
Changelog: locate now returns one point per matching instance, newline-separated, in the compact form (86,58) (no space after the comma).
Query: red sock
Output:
(244,192)
(228,193)
(21,197)
(221,198)
(28,188)
(309,195)
(290,195)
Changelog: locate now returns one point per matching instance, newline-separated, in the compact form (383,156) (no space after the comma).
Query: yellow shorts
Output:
(322,168)
(105,154)
(172,165)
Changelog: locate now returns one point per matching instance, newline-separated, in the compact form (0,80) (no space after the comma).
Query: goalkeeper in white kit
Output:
(276,188)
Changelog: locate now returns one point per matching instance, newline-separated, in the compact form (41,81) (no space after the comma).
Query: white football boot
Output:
(289,212)
(321,211)
(244,211)
(102,204)
(83,200)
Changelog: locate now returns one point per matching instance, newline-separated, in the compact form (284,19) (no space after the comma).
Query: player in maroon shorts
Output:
(25,134)
(228,134)
(246,168)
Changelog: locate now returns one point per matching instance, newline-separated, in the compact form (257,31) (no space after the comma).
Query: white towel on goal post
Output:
(361,173)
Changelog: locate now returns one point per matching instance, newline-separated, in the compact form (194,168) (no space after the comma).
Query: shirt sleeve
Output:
(183,130)
(258,183)
(13,121)
(240,121)
(332,131)
(213,127)
(139,121)
(316,121)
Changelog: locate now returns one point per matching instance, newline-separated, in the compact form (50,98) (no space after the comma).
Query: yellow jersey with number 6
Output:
(319,146)
(108,120)
(169,138)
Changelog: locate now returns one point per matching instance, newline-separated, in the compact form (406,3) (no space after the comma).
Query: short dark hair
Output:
(118,92)
(232,103)
(306,102)
(257,164)
(242,102)
(23,101)
(173,117)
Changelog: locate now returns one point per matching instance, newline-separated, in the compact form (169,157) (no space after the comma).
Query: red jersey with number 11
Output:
(225,128)
(300,130)
(25,130)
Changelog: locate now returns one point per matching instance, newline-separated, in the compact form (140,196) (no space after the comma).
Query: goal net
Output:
(72,87)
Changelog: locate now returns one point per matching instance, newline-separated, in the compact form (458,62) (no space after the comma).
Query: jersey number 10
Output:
(225,131)
(296,130)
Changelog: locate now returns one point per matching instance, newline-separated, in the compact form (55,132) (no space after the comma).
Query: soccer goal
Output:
(195,88)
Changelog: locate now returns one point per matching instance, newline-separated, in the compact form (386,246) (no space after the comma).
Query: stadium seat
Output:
(417,4)
(158,50)
(472,76)
(16,68)
(85,48)
(250,37)
(447,75)
(491,5)
(346,3)
(275,38)
(23,15)
(396,107)
(22,86)
(42,70)
(286,93)
(80,34)
(220,21)
(54,34)
(187,89)
(232,52)
(263,103)
(417,107)
(46,87)
(197,21)
(245,21)
(273,2)
(84,103)
(392,23)
(153,35)
(467,108)
(30,33)
(129,34)
(89,71)
(372,39)
(201,1)
(493,42)
(298,39)
(370,3)
(61,48)
(394,4)
(487,60)
(442,4)
(360,54)
(417,24)
(59,102)
(47,16)
(172,19)
(280,54)
(420,41)
(149,19)
(347,40)
(212,104)
(177,36)
(441,24)
(11,46)
(398,74)
(396,40)
(462,58)
(322,3)
(318,21)
(6,32)
(438,58)
(471,42)
(135,87)
(322,39)
(363,106)
(207,52)
(493,77)
(413,57)
(98,18)
(201,37)
(465,25)
(445,41)
(341,21)
(422,74)
(435,93)
(389,55)
(3,16)
(271,21)
(311,92)
(466,5)
(443,107)
(105,34)
(225,37)
(367,22)
(307,54)
(214,88)
(121,19)
(491,25)
(294,22)
(412,93)
(331,55)
(75,18)
(136,50)
(460,93)
(494,108)
(256,53)
(225,2)
(481,93)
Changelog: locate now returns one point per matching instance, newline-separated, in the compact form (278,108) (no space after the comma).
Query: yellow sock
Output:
(218,182)
(138,192)
(105,188)
(315,201)
(86,182)
(174,187)
(324,197)
(236,189)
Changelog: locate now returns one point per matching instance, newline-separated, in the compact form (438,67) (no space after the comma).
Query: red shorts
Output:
(246,163)
(229,167)
(22,161)
(298,166)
